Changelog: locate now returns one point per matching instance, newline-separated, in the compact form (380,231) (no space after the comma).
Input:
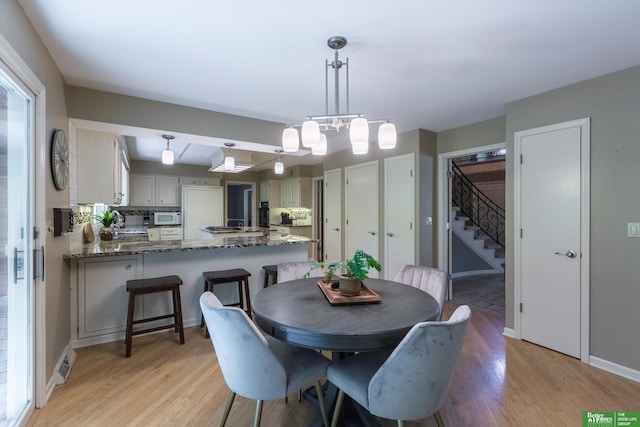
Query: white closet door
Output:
(399,214)
(361,210)
(332,215)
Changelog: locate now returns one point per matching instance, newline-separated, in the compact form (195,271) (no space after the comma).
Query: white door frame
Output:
(253,199)
(444,193)
(11,58)
(585,126)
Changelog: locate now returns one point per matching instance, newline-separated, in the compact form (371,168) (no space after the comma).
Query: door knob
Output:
(373,233)
(390,234)
(570,254)
(336,229)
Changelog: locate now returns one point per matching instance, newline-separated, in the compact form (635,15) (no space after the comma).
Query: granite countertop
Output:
(135,246)
(221,230)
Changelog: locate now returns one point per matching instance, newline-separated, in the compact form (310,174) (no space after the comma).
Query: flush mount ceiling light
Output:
(167,154)
(355,123)
(278,168)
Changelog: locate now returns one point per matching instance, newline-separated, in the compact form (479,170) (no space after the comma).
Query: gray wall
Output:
(17,30)
(464,258)
(613,103)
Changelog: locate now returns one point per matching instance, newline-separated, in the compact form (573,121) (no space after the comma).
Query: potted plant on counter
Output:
(107,219)
(355,271)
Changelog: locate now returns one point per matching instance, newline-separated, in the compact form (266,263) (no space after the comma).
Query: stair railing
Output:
(477,206)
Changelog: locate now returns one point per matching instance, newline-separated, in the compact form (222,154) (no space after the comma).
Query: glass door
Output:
(16,249)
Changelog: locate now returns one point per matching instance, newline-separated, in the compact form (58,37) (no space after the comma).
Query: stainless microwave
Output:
(167,218)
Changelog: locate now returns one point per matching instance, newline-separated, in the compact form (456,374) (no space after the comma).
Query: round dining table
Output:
(299,313)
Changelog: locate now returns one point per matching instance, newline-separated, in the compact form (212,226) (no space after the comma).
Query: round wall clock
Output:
(60,159)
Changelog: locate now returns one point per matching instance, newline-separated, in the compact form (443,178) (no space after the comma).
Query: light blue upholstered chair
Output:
(413,381)
(255,366)
(431,280)
(296,270)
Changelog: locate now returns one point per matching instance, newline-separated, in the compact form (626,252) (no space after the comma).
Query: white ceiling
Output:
(430,64)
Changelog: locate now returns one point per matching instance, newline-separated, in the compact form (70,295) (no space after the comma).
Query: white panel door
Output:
(399,214)
(361,210)
(332,239)
(550,221)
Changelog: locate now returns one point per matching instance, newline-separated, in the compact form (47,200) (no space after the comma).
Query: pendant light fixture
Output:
(167,154)
(229,161)
(278,168)
(320,149)
(355,123)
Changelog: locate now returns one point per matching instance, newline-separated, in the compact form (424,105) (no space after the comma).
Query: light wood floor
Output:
(498,382)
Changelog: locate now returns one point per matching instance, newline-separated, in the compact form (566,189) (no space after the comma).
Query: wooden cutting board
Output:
(87,233)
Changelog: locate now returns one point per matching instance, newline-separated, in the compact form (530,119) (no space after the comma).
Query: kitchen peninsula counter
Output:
(134,246)
(99,272)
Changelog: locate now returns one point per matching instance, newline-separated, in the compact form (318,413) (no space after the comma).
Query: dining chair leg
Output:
(439,420)
(256,420)
(227,408)
(323,409)
(338,407)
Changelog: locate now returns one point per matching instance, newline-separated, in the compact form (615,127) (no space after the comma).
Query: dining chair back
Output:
(296,270)
(413,381)
(255,366)
(429,279)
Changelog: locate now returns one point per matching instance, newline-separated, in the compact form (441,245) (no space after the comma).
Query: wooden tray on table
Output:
(367,296)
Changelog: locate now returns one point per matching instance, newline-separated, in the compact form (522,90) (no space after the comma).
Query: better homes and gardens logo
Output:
(611,419)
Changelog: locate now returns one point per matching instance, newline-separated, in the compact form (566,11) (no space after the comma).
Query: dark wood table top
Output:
(298,312)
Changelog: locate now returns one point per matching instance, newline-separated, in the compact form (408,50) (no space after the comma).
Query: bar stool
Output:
(240,275)
(150,286)
(270,271)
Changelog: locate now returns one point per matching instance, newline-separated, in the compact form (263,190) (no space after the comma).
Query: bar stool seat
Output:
(240,275)
(149,286)
(270,272)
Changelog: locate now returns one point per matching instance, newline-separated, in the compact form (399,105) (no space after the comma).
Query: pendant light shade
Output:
(278,168)
(387,136)
(320,149)
(360,147)
(290,140)
(167,154)
(310,133)
(359,131)
(229,161)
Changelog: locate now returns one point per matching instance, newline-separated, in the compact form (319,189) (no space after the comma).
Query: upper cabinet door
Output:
(167,191)
(143,190)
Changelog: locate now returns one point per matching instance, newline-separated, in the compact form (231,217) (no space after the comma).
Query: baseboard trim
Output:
(475,273)
(614,368)
(509,332)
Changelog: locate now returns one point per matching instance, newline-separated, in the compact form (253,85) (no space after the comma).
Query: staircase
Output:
(488,250)
(477,220)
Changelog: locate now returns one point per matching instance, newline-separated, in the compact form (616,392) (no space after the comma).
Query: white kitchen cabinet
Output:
(192,180)
(167,191)
(143,190)
(295,192)
(102,295)
(186,180)
(270,192)
(151,190)
(99,163)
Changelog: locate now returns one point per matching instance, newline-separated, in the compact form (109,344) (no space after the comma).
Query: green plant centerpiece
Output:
(355,271)
(107,219)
